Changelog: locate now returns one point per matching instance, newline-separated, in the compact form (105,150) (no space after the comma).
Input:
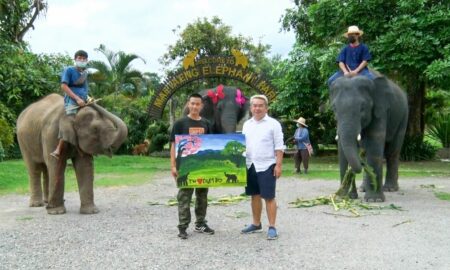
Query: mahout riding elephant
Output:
(374,114)
(95,131)
(224,107)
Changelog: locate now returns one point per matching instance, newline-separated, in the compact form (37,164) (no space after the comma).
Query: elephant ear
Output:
(379,95)
(243,112)
(66,128)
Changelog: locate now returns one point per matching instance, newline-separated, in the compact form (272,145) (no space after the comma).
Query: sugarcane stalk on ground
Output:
(342,198)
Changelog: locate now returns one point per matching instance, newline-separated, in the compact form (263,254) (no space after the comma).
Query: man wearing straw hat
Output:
(304,149)
(354,57)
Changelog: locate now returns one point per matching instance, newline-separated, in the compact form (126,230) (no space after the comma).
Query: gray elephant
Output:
(374,112)
(95,131)
(224,107)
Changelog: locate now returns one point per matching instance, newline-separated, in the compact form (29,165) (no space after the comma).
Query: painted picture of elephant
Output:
(371,114)
(224,107)
(96,131)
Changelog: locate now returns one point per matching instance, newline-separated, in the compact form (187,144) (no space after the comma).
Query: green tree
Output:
(408,39)
(18,16)
(150,83)
(117,75)
(210,37)
(303,93)
(234,150)
(24,77)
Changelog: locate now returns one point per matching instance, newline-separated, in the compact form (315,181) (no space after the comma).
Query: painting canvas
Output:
(210,160)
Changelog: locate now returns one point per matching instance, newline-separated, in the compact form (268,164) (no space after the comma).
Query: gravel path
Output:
(130,233)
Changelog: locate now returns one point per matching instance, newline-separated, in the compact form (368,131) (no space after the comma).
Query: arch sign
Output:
(232,67)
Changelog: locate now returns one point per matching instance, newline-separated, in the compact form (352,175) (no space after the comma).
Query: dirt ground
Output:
(131,232)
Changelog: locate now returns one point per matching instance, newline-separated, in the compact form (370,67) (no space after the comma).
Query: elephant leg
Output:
(84,170)
(34,172)
(56,169)
(343,166)
(392,162)
(372,194)
(45,183)
(343,163)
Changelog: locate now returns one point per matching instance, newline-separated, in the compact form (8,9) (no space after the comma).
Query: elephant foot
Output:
(390,187)
(36,203)
(90,209)
(353,195)
(56,210)
(362,188)
(374,197)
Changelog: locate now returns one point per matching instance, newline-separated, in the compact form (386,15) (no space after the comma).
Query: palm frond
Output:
(439,129)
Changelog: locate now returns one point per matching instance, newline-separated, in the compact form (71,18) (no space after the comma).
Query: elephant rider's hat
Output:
(353,30)
(301,121)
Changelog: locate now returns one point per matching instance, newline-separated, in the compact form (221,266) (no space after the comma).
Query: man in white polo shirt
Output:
(264,156)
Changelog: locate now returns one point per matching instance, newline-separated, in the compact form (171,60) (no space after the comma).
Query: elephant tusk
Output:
(337,137)
(359,137)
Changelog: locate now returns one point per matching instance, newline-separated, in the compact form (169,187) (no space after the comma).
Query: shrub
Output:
(2,152)
(134,113)
(439,129)
(158,133)
(6,134)
(415,149)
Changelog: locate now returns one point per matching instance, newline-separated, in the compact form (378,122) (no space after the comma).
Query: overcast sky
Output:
(144,27)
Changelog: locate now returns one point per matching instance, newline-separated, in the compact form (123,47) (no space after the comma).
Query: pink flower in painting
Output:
(188,145)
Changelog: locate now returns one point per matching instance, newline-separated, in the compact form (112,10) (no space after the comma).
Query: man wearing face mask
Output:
(354,57)
(75,86)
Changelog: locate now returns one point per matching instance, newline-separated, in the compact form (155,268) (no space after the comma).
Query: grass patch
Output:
(445,196)
(116,171)
(328,168)
(135,170)
(25,218)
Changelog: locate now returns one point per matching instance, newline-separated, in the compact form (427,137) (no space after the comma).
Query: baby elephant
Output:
(141,149)
(231,178)
(182,180)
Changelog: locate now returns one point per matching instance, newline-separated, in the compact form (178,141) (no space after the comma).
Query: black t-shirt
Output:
(188,126)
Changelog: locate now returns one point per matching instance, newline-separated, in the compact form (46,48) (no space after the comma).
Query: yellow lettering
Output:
(231,71)
(206,70)
(247,77)
(239,73)
(219,70)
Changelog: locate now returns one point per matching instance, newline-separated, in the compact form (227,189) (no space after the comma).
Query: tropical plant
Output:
(416,149)
(439,129)
(117,75)
(414,37)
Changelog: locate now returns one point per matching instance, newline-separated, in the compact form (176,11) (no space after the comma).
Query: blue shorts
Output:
(261,183)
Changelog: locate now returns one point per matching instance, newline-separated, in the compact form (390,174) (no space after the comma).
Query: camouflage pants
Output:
(184,202)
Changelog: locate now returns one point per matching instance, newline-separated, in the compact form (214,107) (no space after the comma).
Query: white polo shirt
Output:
(262,138)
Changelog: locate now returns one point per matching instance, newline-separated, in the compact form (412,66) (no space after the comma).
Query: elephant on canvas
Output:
(95,131)
(224,107)
(372,114)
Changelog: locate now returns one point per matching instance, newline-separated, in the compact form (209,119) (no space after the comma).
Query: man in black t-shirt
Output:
(192,124)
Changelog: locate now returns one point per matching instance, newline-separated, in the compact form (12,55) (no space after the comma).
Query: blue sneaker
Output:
(252,229)
(272,233)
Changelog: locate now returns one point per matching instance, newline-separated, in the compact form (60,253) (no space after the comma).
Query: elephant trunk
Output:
(349,145)
(121,132)
(228,122)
